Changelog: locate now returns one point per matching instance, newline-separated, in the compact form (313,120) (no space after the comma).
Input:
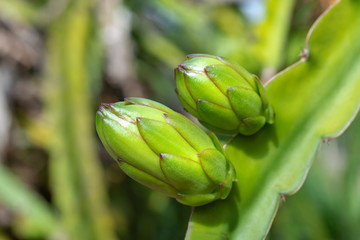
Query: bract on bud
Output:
(165,151)
(222,95)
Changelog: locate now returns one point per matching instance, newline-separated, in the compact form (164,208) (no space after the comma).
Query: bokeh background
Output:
(60,58)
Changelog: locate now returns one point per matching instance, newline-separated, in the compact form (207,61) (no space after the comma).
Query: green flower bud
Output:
(222,95)
(165,151)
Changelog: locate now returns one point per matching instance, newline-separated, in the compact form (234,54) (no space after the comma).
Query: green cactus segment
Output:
(148,180)
(155,134)
(314,99)
(245,103)
(223,77)
(217,115)
(162,149)
(214,165)
(183,172)
(189,131)
(225,95)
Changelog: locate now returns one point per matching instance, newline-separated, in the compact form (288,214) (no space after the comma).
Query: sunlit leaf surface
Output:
(315,99)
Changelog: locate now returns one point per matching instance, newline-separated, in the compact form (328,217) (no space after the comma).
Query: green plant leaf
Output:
(35,218)
(272,33)
(351,175)
(21,11)
(32,12)
(76,179)
(313,100)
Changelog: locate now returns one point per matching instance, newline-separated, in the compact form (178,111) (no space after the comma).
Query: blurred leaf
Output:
(236,39)
(315,99)
(2,236)
(300,216)
(352,177)
(163,49)
(18,10)
(36,218)
(95,60)
(76,176)
(272,33)
(332,182)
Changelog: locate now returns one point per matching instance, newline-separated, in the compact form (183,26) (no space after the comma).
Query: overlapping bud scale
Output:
(165,151)
(222,95)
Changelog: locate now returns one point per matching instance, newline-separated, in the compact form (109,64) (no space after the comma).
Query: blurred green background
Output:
(60,59)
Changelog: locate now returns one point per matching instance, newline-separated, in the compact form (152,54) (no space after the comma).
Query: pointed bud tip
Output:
(106,105)
(129,101)
(181,67)
(104,109)
(99,112)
